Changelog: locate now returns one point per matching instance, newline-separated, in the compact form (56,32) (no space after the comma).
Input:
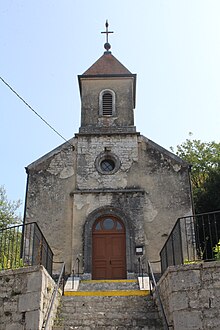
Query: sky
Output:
(172,45)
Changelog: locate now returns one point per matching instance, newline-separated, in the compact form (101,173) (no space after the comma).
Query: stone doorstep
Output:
(72,285)
(110,281)
(102,287)
(111,293)
(104,327)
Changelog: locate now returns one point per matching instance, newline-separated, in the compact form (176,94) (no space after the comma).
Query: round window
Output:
(107,163)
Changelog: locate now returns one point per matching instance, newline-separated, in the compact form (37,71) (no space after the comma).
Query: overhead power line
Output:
(34,111)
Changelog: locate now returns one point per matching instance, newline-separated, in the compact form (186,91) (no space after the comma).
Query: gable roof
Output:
(68,144)
(166,152)
(107,64)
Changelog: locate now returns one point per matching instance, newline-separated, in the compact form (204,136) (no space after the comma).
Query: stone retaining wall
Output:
(191,296)
(24,297)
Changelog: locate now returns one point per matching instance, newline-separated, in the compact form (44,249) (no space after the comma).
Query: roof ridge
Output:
(107,64)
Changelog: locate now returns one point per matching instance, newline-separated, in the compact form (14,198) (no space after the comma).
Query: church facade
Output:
(109,195)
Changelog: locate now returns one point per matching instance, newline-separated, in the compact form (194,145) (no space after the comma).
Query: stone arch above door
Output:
(92,217)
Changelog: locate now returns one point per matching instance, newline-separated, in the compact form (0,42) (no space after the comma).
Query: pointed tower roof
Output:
(107,78)
(107,64)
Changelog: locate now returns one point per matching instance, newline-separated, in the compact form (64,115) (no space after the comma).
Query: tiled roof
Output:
(107,64)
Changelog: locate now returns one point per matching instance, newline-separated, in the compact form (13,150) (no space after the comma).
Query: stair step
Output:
(108,285)
(106,293)
(108,304)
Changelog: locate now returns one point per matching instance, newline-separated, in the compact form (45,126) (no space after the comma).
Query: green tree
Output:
(205,172)
(207,198)
(10,238)
(8,209)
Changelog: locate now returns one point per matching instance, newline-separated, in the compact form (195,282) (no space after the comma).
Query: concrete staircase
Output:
(108,305)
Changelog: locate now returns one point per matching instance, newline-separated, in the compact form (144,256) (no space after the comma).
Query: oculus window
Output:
(107,163)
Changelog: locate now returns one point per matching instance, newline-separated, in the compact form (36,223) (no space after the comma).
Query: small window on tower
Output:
(107,103)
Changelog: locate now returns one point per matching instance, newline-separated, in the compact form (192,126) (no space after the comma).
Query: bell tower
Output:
(107,91)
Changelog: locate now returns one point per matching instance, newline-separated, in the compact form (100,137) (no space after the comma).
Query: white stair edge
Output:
(144,283)
(72,285)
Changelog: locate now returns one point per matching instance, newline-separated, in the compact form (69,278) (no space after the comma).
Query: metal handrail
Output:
(150,272)
(24,245)
(141,270)
(77,261)
(192,239)
(46,322)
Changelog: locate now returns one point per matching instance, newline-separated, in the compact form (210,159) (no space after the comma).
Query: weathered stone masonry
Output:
(148,187)
(24,297)
(191,296)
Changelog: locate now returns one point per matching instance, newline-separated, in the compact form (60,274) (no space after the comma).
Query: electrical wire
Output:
(35,112)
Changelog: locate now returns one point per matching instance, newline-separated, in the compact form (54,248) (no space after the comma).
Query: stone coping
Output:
(28,269)
(195,266)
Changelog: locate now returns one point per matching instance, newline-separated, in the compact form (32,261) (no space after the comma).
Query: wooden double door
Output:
(108,249)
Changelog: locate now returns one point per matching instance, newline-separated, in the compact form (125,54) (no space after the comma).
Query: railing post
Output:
(63,285)
(73,278)
(77,267)
(142,276)
(41,252)
(166,325)
(33,246)
(139,266)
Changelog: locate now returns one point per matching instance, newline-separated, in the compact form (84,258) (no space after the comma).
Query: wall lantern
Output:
(139,250)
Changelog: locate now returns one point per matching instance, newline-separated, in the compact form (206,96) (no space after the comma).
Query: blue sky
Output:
(172,45)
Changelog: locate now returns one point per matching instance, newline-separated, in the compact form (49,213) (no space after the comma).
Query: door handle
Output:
(110,262)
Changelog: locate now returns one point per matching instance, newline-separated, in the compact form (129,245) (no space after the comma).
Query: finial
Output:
(107,45)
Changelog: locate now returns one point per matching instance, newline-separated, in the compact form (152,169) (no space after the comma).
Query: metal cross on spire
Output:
(107,45)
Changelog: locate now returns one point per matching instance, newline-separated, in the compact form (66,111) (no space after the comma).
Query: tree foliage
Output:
(10,238)
(205,172)
(207,198)
(8,209)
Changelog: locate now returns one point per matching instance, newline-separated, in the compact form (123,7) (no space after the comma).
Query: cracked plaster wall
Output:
(50,183)
(65,188)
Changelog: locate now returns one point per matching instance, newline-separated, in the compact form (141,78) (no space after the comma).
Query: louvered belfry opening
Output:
(107,104)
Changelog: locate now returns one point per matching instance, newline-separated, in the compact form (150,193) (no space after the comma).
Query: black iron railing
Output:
(59,285)
(192,239)
(24,245)
(154,290)
(75,270)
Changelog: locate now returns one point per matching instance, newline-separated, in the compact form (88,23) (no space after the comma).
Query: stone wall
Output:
(50,182)
(124,149)
(191,296)
(123,120)
(148,190)
(24,297)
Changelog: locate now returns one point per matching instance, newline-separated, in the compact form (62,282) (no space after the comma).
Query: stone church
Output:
(109,195)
